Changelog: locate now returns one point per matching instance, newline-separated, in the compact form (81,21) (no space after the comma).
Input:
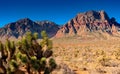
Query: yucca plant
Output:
(52,64)
(29,53)
(13,65)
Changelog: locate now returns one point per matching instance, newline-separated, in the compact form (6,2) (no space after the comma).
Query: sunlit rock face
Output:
(87,22)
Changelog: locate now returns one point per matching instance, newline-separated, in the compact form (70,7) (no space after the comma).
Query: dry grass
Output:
(88,56)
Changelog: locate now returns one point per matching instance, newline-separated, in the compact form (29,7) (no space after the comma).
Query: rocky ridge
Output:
(90,23)
(19,28)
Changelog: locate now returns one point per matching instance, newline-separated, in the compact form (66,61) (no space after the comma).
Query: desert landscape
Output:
(59,37)
(87,44)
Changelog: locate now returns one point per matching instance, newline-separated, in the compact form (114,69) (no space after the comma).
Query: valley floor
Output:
(88,56)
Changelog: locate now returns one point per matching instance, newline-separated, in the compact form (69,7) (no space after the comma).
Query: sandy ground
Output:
(88,56)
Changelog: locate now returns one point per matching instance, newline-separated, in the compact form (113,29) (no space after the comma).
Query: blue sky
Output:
(58,11)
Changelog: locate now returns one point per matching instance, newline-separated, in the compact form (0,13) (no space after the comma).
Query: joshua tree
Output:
(35,54)
(1,57)
(29,54)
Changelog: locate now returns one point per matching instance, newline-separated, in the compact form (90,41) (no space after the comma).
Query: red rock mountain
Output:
(89,22)
(19,28)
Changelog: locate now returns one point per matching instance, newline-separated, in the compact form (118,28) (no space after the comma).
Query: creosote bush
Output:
(28,54)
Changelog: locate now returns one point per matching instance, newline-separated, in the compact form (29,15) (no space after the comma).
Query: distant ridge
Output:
(19,28)
(90,23)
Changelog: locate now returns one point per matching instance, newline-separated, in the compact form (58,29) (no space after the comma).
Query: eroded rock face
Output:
(19,28)
(91,21)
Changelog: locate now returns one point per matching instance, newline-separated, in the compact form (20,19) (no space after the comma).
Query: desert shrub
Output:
(101,70)
(117,54)
(100,52)
(104,60)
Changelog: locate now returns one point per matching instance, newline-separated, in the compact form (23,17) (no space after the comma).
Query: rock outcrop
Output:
(89,22)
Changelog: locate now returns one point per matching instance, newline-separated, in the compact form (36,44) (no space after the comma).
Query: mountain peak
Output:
(19,28)
(98,15)
(24,20)
(104,15)
(45,21)
(87,22)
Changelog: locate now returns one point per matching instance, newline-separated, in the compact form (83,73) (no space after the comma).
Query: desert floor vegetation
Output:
(89,57)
